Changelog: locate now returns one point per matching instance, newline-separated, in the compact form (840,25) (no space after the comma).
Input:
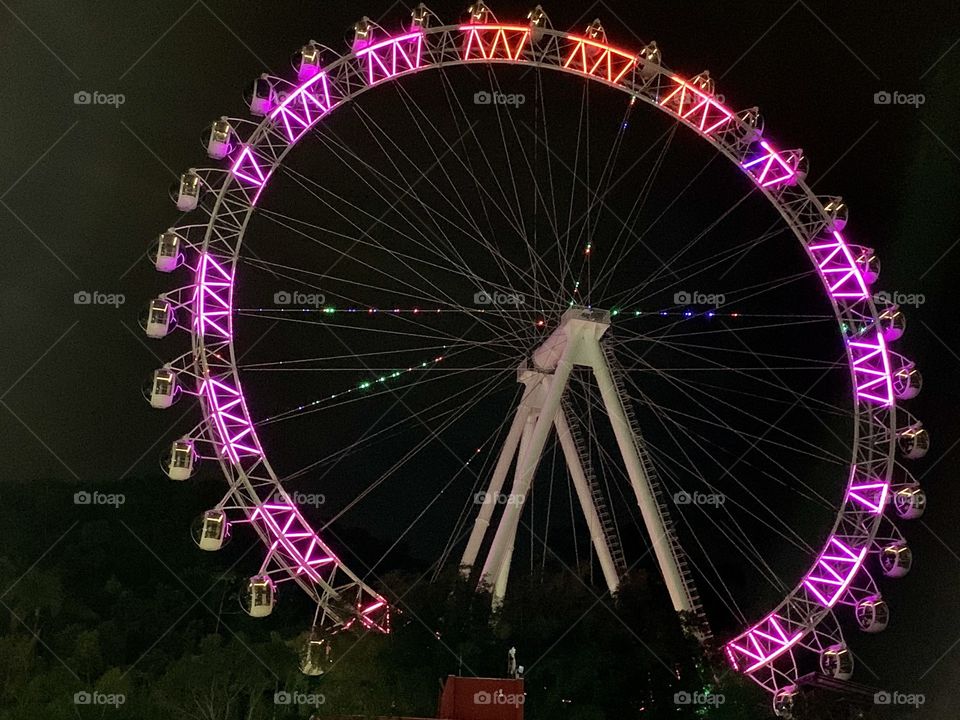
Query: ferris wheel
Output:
(475,260)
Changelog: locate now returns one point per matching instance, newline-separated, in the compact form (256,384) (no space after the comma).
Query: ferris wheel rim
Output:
(245,168)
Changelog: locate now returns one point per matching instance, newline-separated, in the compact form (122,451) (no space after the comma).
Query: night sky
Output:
(83,194)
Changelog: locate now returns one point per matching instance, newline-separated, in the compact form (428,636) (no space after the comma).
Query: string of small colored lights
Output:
(616,312)
(361,386)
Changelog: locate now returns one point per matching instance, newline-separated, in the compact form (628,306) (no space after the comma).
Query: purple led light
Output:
(212,298)
(834,573)
(761,645)
(229,420)
(390,57)
(770,168)
(871,368)
(246,168)
(840,270)
(304,107)
(872,496)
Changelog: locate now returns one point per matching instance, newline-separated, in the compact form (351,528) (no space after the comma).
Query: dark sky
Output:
(83,193)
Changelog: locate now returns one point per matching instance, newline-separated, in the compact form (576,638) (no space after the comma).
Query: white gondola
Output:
(838,212)
(837,662)
(537,17)
(212,531)
(651,55)
(182,460)
(188,193)
(263,96)
(218,143)
(163,388)
(892,323)
(595,31)
(160,318)
(896,560)
(308,64)
(801,166)
(907,381)
(420,16)
(479,12)
(873,615)
(317,655)
(914,441)
(910,502)
(784,702)
(704,83)
(168,252)
(868,263)
(260,596)
(362,33)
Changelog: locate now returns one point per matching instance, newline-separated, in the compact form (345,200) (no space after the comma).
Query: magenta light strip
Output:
(304,107)
(246,168)
(212,298)
(834,571)
(761,645)
(392,56)
(230,427)
(873,496)
(839,268)
(287,537)
(691,103)
(871,368)
(773,168)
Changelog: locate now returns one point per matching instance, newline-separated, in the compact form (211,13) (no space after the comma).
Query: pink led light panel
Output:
(770,168)
(212,299)
(488,42)
(390,57)
(693,104)
(304,107)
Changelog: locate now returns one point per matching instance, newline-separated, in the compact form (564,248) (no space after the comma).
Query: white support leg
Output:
(586,503)
(480,525)
(506,532)
(639,480)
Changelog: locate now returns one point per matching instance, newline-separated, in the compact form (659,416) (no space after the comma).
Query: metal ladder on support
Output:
(701,625)
(607,522)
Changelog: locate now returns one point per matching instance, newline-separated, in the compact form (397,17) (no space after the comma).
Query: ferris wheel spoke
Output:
(718,365)
(333,460)
(739,539)
(679,384)
(613,253)
(445,423)
(687,274)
